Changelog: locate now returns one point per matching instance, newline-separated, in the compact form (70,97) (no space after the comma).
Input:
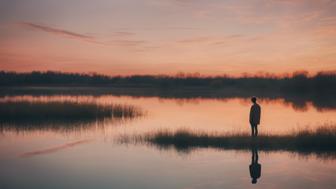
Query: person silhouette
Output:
(255,167)
(255,112)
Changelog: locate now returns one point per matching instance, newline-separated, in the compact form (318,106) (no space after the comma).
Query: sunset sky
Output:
(124,37)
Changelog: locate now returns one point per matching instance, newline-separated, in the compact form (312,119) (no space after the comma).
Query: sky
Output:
(126,37)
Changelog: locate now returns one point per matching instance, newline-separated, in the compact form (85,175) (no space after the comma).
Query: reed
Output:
(39,115)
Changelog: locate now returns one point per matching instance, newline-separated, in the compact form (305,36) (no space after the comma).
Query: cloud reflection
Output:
(54,149)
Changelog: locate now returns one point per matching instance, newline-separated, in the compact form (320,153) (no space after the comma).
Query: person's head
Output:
(254,99)
(254,181)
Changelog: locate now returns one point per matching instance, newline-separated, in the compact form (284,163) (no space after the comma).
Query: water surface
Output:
(86,155)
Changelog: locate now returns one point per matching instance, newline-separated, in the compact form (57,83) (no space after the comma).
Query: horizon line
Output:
(181,74)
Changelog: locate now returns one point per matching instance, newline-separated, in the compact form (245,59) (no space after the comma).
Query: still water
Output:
(84,154)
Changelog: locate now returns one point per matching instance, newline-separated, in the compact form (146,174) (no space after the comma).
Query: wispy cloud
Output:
(127,42)
(195,40)
(59,32)
(212,40)
(180,28)
(53,149)
(121,36)
(123,33)
(229,39)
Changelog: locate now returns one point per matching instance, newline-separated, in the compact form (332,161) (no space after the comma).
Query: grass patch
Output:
(320,141)
(38,115)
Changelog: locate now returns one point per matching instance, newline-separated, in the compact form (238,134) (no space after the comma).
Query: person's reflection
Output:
(255,167)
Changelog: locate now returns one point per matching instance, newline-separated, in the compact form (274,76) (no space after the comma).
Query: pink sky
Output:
(123,37)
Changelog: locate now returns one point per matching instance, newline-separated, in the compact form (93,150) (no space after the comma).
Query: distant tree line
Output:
(298,82)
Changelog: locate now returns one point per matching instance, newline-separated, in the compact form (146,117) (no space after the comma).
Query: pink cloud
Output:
(59,32)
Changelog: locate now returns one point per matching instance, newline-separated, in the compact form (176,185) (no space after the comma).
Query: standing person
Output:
(255,116)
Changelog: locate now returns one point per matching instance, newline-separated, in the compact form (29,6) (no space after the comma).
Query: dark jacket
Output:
(255,114)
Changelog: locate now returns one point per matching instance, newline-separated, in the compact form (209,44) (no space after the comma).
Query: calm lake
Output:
(71,141)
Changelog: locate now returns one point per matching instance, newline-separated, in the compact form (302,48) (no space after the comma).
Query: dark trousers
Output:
(254,129)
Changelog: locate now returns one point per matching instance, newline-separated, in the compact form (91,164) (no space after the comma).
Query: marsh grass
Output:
(39,115)
(319,141)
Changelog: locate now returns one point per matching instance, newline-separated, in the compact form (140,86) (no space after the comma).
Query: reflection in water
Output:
(321,101)
(53,149)
(63,115)
(102,164)
(320,142)
(218,115)
(255,167)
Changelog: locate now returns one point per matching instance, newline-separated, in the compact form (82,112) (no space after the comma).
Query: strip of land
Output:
(298,88)
(298,82)
(320,141)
